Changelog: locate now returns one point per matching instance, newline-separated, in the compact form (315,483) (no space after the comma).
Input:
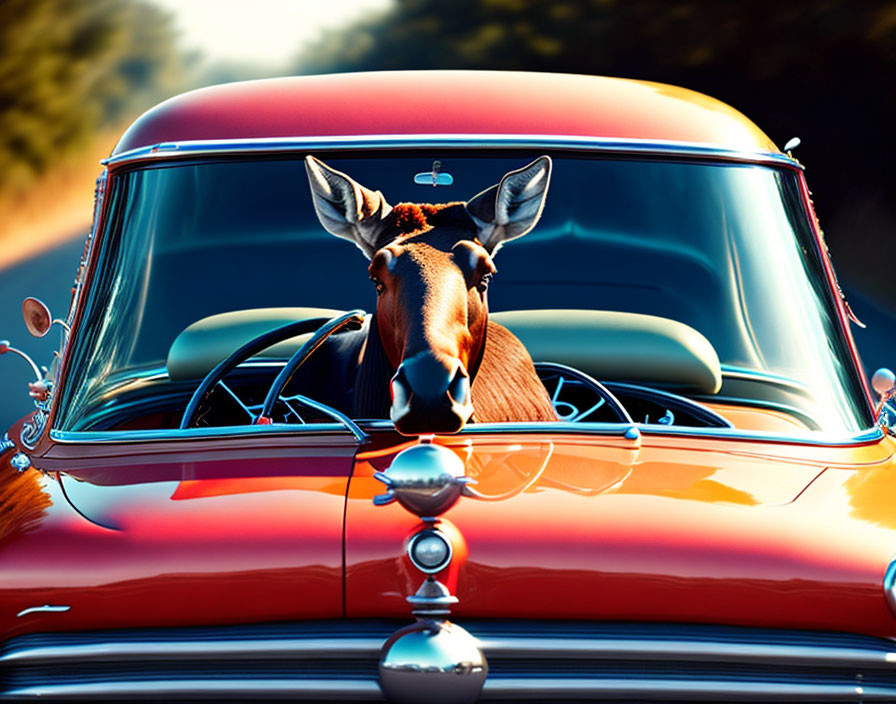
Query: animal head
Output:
(431,266)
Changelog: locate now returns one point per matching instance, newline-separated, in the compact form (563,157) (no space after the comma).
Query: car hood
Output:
(658,529)
(565,526)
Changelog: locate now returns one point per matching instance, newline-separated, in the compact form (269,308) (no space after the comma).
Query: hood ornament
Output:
(425,479)
(432,660)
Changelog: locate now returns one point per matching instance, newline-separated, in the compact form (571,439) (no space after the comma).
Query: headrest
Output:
(607,345)
(201,346)
(613,346)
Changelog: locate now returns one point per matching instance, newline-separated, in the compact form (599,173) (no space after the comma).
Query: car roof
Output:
(473,103)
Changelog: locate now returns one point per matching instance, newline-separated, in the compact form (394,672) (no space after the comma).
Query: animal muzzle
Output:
(430,395)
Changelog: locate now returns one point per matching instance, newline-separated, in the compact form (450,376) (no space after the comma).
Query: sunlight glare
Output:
(265,32)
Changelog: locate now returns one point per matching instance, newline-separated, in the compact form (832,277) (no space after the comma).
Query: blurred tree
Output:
(68,68)
(822,70)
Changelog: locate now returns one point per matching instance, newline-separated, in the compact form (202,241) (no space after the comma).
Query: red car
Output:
(603,433)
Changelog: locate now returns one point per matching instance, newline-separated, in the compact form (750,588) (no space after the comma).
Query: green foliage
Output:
(68,68)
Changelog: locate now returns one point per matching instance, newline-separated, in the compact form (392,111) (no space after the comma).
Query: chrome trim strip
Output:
(861,438)
(297,688)
(518,688)
(46,608)
(623,688)
(194,148)
(715,650)
(597,429)
(113,651)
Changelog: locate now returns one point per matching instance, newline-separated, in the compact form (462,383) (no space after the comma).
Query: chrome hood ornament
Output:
(432,660)
(425,479)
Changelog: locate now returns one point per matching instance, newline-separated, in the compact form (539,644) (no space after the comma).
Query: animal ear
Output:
(513,207)
(344,207)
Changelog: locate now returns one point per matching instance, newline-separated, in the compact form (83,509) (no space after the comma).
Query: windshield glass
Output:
(724,248)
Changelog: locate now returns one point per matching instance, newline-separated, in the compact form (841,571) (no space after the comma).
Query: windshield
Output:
(724,248)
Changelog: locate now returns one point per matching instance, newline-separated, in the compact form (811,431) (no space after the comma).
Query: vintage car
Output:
(640,461)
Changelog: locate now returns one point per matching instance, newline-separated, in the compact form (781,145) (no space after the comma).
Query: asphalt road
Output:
(49,277)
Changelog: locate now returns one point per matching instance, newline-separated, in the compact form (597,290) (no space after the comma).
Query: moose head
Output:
(431,266)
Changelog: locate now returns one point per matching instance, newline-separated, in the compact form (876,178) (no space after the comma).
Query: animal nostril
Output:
(459,388)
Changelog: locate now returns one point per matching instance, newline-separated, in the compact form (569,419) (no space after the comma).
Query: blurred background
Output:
(74,73)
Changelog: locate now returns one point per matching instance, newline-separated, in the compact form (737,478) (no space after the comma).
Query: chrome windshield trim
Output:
(68,437)
(595,429)
(649,429)
(196,148)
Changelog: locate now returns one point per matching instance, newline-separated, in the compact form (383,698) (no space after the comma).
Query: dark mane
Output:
(409,219)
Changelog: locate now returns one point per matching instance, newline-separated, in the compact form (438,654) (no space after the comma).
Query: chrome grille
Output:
(545,661)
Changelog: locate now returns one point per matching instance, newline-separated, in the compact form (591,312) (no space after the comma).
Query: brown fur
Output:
(416,218)
(507,388)
(409,218)
(431,325)
(22,501)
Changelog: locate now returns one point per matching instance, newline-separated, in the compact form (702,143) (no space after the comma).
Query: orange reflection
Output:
(684,481)
(871,493)
(762,419)
(203,488)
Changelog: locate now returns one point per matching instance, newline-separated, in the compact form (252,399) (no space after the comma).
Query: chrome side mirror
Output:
(6,347)
(883,381)
(38,320)
(37,317)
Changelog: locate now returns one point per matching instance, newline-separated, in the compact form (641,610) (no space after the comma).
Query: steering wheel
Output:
(322,329)
(572,394)
(564,394)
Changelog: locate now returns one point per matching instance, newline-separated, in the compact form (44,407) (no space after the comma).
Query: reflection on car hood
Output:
(667,531)
(580,527)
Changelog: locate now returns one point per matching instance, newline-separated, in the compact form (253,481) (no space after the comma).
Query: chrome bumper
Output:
(337,660)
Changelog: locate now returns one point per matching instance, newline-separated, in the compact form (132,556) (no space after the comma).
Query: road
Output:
(49,277)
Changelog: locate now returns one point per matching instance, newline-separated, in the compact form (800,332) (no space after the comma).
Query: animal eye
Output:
(484,282)
(378,285)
